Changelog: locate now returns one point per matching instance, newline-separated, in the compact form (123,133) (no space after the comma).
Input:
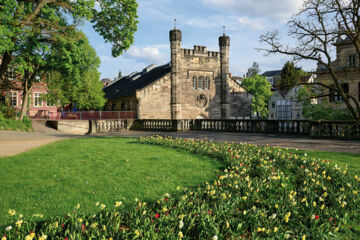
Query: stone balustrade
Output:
(333,129)
(110,125)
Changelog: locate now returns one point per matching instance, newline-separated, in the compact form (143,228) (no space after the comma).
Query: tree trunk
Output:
(25,97)
(6,59)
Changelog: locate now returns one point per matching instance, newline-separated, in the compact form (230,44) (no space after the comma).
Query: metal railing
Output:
(91,115)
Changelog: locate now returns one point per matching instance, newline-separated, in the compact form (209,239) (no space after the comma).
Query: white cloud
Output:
(148,54)
(276,9)
(254,24)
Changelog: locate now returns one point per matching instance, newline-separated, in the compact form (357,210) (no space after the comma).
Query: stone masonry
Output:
(197,85)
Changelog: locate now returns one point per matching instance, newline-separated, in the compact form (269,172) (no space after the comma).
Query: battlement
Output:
(200,51)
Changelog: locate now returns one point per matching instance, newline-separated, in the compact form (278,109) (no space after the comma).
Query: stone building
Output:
(347,68)
(195,84)
(37,107)
(284,105)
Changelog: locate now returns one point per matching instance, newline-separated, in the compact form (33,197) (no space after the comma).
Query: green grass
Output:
(52,179)
(341,159)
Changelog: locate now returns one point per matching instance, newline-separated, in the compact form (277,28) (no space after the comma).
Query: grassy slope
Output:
(51,180)
(341,159)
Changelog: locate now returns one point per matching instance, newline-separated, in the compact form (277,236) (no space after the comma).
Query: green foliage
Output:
(7,111)
(260,88)
(289,77)
(30,31)
(323,110)
(117,23)
(264,193)
(13,124)
(253,70)
(74,78)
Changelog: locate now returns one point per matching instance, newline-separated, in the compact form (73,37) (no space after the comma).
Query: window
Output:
(352,60)
(207,83)
(194,82)
(13,99)
(37,100)
(201,82)
(273,104)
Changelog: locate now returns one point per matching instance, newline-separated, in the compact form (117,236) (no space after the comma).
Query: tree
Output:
(316,29)
(323,111)
(260,88)
(29,29)
(74,78)
(253,70)
(290,76)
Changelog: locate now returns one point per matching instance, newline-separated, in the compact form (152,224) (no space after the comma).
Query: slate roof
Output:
(274,73)
(271,73)
(127,86)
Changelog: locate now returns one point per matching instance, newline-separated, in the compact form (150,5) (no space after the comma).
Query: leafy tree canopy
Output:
(74,78)
(260,88)
(253,70)
(290,76)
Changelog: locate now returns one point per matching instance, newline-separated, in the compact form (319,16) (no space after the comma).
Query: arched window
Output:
(207,83)
(201,82)
(194,82)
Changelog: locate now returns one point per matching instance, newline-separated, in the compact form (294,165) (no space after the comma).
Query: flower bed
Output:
(264,193)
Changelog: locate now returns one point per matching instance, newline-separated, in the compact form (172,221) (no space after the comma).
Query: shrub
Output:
(264,193)
(13,124)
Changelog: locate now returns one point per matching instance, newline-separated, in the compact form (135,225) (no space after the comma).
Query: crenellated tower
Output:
(175,102)
(224,44)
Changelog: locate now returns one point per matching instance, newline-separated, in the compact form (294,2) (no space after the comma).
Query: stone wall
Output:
(198,102)
(154,100)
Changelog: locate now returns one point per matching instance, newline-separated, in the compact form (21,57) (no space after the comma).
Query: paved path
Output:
(12,142)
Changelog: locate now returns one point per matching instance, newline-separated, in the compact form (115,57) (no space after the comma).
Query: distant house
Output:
(272,77)
(284,105)
(37,107)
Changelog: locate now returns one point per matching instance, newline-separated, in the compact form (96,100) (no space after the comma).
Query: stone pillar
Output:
(175,43)
(224,43)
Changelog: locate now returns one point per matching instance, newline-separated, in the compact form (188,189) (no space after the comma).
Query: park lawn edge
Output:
(158,213)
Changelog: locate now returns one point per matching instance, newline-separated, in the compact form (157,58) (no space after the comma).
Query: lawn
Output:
(52,179)
(352,160)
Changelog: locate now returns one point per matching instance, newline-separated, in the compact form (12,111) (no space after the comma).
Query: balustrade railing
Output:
(110,125)
(335,129)
(91,115)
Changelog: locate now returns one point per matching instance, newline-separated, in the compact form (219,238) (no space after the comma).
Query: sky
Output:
(201,22)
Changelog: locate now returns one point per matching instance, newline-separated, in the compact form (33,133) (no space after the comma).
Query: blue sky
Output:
(201,22)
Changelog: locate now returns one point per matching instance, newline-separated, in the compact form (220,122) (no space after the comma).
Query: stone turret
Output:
(224,44)
(175,43)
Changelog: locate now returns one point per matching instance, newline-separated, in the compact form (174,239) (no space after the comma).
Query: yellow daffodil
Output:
(275,229)
(77,206)
(18,223)
(118,203)
(12,212)
(137,233)
(102,206)
(181,235)
(43,237)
